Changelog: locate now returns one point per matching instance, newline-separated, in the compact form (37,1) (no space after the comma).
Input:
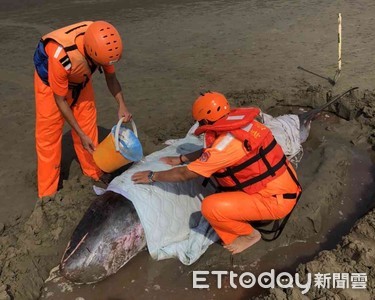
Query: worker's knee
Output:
(213,208)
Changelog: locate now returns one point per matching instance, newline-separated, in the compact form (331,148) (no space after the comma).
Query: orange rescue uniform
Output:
(229,212)
(49,120)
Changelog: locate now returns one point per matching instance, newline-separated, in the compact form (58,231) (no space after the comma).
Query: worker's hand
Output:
(171,160)
(141,177)
(124,113)
(87,143)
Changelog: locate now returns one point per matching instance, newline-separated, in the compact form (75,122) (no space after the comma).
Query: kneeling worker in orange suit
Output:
(65,60)
(256,182)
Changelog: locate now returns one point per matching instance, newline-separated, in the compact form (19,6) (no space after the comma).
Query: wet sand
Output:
(249,50)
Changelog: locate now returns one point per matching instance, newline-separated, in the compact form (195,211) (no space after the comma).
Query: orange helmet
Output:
(103,43)
(210,106)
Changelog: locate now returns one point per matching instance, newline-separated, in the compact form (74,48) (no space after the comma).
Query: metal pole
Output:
(339,42)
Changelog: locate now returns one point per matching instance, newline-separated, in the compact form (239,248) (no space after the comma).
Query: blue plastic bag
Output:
(129,144)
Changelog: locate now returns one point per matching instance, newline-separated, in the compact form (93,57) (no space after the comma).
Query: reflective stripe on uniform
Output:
(224,142)
(65,61)
(58,50)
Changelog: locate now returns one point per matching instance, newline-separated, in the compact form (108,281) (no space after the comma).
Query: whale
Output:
(110,232)
(106,238)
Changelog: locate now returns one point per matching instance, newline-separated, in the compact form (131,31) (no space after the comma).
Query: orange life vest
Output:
(264,160)
(66,37)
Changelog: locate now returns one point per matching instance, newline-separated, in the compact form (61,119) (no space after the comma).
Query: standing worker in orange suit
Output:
(65,60)
(255,179)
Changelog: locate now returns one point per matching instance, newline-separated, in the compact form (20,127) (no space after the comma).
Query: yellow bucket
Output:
(107,155)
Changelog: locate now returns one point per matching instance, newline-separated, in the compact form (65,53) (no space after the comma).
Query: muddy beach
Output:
(249,50)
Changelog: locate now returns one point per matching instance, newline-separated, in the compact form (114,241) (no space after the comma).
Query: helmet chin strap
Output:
(93,65)
(205,122)
(89,58)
